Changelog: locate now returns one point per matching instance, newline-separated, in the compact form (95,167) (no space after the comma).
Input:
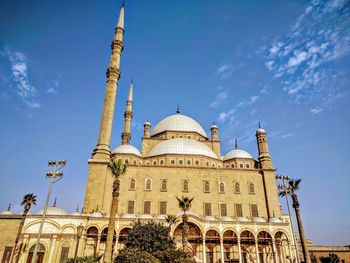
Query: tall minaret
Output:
(126,134)
(102,150)
(99,185)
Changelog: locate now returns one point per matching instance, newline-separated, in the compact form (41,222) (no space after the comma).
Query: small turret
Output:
(214,132)
(263,149)
(147,130)
(215,142)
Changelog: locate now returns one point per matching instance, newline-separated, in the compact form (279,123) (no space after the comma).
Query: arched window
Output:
(161,162)
(163,186)
(233,165)
(222,187)
(251,188)
(197,162)
(126,161)
(206,187)
(185,186)
(181,161)
(189,162)
(237,188)
(148,185)
(132,185)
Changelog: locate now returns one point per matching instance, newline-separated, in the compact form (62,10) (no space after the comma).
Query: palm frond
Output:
(117,168)
(29,199)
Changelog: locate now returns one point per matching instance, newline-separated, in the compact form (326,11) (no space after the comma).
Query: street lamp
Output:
(55,175)
(286,190)
(80,231)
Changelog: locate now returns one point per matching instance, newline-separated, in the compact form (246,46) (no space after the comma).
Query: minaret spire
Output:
(102,150)
(236,144)
(126,135)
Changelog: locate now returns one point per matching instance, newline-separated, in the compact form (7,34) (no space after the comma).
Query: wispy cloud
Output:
(225,70)
(53,87)
(253,99)
(220,97)
(19,70)
(299,59)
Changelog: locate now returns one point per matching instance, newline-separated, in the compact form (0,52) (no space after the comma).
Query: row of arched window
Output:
(185,186)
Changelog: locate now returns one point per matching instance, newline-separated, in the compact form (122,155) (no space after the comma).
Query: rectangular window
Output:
(206,187)
(163,185)
(64,254)
(223,210)
(147,207)
(131,207)
(7,255)
(238,210)
(162,208)
(185,186)
(254,210)
(207,209)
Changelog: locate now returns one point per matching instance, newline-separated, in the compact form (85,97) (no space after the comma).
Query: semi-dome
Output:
(57,211)
(237,153)
(126,149)
(178,122)
(7,212)
(182,146)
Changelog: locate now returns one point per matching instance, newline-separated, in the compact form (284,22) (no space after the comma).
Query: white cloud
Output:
(226,69)
(24,89)
(317,110)
(300,58)
(220,97)
(53,87)
(224,116)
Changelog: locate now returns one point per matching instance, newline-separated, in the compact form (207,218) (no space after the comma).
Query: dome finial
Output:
(55,202)
(77,210)
(236,144)
(259,125)
(178,109)
(9,207)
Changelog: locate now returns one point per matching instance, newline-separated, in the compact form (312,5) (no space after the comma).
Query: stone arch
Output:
(69,229)
(230,244)
(104,232)
(49,227)
(248,247)
(123,234)
(64,248)
(282,243)
(265,247)
(41,253)
(212,244)
(92,233)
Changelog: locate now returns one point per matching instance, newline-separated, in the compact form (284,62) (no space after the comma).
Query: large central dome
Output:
(182,146)
(178,122)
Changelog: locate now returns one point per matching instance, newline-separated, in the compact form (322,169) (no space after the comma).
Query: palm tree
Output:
(291,189)
(184,205)
(27,202)
(171,220)
(117,169)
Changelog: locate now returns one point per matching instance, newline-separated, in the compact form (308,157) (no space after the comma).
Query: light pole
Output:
(80,231)
(54,176)
(285,189)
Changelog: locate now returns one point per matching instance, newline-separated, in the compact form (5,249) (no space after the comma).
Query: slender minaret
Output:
(126,134)
(102,150)
(215,142)
(99,185)
(263,149)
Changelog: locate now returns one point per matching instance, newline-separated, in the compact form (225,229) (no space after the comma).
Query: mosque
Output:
(235,215)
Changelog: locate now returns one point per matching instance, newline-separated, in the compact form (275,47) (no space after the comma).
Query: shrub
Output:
(134,255)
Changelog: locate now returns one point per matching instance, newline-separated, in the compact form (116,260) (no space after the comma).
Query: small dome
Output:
(237,153)
(226,219)
(275,220)
(243,219)
(182,146)
(214,126)
(178,122)
(210,218)
(7,212)
(76,213)
(126,149)
(96,214)
(57,211)
(130,216)
(260,130)
(259,219)
(148,123)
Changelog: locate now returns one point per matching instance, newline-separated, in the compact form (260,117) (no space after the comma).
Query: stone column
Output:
(222,249)
(257,251)
(204,252)
(98,244)
(274,251)
(116,244)
(239,250)
(52,249)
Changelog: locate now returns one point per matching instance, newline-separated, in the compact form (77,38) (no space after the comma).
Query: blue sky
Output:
(283,63)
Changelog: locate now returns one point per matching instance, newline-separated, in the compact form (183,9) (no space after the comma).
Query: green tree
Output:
(171,220)
(117,169)
(294,186)
(27,202)
(184,204)
(151,243)
(88,259)
(332,258)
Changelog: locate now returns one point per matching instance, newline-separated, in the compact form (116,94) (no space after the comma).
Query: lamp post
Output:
(285,189)
(54,175)
(80,231)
